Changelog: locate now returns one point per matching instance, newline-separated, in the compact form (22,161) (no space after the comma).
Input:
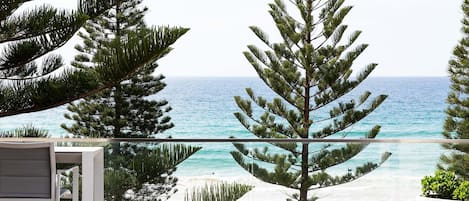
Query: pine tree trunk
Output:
(117,109)
(304,173)
(117,93)
(305,148)
(306,125)
(116,133)
(116,148)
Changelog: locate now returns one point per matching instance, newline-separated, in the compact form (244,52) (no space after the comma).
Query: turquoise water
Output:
(203,108)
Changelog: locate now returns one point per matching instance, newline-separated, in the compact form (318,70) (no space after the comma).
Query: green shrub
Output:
(442,185)
(218,192)
(25,131)
(462,192)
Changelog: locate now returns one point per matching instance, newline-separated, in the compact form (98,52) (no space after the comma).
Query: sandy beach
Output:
(372,187)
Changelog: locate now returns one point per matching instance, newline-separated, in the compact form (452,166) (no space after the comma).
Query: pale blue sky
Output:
(406,37)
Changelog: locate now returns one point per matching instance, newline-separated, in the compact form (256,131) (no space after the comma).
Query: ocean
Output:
(204,107)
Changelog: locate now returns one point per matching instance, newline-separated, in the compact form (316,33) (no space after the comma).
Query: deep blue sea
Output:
(204,107)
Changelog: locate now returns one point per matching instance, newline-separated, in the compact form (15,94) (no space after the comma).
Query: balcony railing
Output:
(178,169)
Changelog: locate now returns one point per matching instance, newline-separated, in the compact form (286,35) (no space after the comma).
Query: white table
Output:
(92,160)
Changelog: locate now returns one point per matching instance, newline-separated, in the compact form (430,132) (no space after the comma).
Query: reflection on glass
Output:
(148,172)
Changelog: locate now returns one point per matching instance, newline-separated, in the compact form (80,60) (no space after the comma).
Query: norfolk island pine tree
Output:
(456,125)
(30,86)
(309,70)
(123,111)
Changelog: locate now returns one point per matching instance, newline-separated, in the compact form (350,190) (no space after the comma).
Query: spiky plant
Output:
(25,131)
(218,192)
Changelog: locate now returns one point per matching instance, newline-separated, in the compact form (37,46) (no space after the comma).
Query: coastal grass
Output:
(218,192)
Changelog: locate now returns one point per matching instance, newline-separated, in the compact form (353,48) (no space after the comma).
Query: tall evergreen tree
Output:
(30,86)
(457,116)
(310,71)
(120,111)
(123,111)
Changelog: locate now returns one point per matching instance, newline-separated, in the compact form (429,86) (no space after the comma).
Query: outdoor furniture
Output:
(28,172)
(75,178)
(92,162)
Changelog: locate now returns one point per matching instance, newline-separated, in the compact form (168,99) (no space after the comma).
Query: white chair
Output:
(28,173)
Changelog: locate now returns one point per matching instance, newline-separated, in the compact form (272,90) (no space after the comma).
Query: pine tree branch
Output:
(318,36)
(298,164)
(8,7)
(264,156)
(320,4)
(40,31)
(24,52)
(287,24)
(292,122)
(327,159)
(360,172)
(25,78)
(40,21)
(271,126)
(279,177)
(348,85)
(275,65)
(268,83)
(141,48)
(350,119)
(342,109)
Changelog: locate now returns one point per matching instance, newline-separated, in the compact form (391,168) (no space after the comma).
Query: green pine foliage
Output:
(121,111)
(34,33)
(457,122)
(35,80)
(218,192)
(117,181)
(125,111)
(310,71)
(148,172)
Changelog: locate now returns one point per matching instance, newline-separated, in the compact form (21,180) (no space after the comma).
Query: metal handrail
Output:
(234,140)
